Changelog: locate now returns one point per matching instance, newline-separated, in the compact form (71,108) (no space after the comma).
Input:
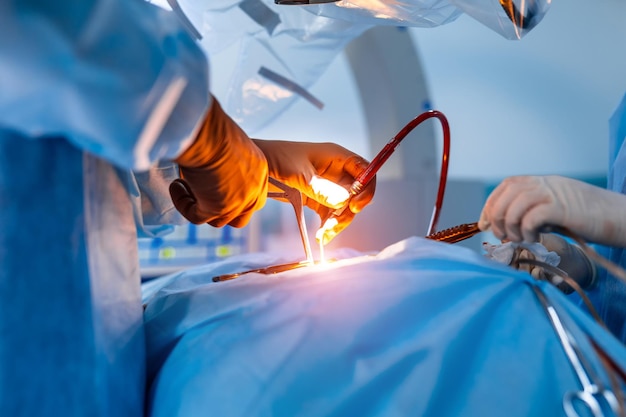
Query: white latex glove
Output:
(520,206)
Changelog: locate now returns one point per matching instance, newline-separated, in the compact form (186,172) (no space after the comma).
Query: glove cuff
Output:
(592,275)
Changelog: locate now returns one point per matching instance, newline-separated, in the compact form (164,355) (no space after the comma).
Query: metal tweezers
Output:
(294,197)
(592,390)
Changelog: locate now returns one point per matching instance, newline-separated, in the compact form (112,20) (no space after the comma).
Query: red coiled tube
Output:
(368,174)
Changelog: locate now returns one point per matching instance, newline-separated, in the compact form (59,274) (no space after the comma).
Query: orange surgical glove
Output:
(323,172)
(223,174)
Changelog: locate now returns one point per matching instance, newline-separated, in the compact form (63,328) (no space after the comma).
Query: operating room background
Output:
(536,106)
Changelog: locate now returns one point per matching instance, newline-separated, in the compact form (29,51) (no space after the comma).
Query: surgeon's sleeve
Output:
(120,79)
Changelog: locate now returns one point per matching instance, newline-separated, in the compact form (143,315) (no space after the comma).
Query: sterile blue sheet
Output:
(422,328)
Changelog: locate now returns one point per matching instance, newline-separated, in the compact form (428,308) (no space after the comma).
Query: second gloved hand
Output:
(223,174)
(323,173)
(573,261)
(520,206)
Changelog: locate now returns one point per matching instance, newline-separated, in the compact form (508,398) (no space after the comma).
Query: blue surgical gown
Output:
(124,82)
(119,79)
(609,296)
(89,90)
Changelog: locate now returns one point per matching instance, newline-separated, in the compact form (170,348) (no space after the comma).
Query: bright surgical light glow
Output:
(322,255)
(378,8)
(333,194)
(326,230)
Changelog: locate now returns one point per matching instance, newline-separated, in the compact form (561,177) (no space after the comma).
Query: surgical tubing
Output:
(366,176)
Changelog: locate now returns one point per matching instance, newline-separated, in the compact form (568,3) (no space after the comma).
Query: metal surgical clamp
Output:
(295,198)
(591,389)
(456,233)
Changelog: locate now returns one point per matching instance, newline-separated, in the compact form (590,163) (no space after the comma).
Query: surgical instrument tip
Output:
(456,233)
(295,198)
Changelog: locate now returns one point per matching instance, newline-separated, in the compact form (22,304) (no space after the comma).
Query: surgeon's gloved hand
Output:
(573,261)
(223,174)
(323,173)
(520,207)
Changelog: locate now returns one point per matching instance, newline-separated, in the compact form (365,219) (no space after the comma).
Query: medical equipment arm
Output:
(522,206)
(323,172)
(223,174)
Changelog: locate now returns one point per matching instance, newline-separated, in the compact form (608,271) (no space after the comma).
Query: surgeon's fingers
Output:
(516,216)
(332,227)
(494,212)
(507,206)
(533,208)
(488,212)
(354,166)
(538,217)
(327,192)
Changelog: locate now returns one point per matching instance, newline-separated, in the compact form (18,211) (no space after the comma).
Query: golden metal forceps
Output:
(455,234)
(295,198)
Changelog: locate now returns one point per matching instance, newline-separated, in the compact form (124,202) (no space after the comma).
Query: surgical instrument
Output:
(592,387)
(517,17)
(364,178)
(456,233)
(274,269)
(294,197)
